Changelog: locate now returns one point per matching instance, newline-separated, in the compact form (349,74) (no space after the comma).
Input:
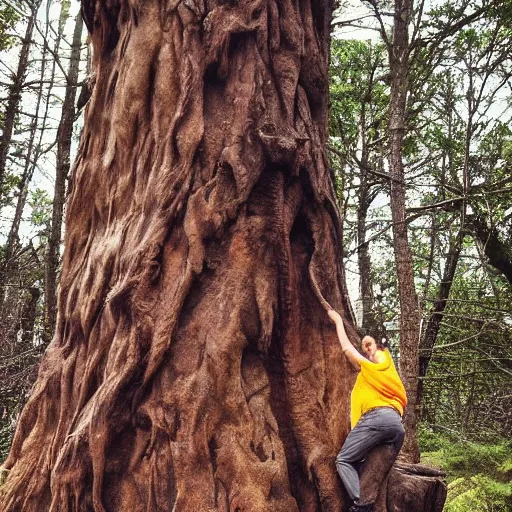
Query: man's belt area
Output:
(384,407)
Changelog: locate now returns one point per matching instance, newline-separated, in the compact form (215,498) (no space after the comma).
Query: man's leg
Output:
(382,425)
(380,459)
(360,440)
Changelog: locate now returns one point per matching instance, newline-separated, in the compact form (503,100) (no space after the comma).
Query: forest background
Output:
(457,180)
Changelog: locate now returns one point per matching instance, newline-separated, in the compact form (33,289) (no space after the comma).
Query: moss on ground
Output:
(478,474)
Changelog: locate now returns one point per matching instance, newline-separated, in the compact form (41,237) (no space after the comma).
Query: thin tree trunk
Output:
(409,310)
(29,315)
(469,403)
(34,149)
(64,136)
(369,323)
(13,237)
(436,313)
(430,332)
(31,158)
(14,98)
(364,263)
(363,255)
(431,257)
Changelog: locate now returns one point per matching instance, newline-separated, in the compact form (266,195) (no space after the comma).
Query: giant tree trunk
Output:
(192,367)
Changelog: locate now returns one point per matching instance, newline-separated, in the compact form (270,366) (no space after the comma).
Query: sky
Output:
(44,174)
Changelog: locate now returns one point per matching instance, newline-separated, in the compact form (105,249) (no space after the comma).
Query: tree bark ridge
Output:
(192,366)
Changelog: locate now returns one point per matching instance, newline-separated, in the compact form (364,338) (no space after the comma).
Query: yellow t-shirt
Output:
(377,385)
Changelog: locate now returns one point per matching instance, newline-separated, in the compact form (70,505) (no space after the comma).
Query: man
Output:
(377,405)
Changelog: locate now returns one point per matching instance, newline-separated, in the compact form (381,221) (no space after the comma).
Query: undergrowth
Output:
(478,475)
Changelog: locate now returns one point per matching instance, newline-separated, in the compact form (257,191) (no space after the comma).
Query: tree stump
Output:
(414,487)
(401,487)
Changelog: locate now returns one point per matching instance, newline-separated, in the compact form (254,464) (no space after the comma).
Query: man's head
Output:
(369,346)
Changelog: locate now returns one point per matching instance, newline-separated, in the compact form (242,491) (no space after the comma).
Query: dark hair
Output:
(380,344)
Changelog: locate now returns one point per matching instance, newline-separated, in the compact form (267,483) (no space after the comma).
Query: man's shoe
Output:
(361,508)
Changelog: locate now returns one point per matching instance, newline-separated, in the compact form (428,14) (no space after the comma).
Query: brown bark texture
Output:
(192,366)
(402,487)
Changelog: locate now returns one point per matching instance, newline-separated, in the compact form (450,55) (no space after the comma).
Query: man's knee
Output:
(340,459)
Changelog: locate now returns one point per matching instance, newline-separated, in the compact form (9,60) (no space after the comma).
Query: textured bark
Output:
(415,487)
(192,367)
(401,487)
(64,135)
(409,310)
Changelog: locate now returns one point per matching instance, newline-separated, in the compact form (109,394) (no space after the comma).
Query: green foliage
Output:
(470,457)
(432,443)
(478,474)
(357,89)
(465,458)
(6,433)
(8,19)
(9,189)
(41,205)
(506,466)
(64,14)
(479,493)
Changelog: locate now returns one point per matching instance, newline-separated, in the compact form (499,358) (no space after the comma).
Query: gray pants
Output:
(382,425)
